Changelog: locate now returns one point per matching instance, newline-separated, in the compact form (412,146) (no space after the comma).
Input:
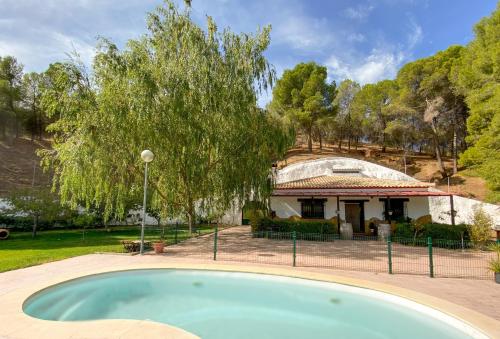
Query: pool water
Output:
(218,305)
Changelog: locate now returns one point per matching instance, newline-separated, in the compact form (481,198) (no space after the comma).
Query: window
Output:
(398,207)
(313,208)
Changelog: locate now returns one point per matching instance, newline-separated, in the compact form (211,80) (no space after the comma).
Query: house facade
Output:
(352,191)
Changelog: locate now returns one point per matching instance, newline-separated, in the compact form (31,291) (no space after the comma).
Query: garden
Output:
(22,250)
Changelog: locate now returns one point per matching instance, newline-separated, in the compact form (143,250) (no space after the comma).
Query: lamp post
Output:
(147,156)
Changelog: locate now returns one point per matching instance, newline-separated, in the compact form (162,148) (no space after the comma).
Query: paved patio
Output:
(237,244)
(236,250)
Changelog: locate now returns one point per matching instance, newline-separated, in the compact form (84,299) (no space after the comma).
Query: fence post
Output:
(294,238)
(389,254)
(431,263)
(215,241)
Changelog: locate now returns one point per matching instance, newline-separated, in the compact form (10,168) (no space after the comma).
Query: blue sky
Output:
(364,40)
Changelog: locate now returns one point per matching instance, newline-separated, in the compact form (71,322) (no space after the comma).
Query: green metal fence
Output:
(431,257)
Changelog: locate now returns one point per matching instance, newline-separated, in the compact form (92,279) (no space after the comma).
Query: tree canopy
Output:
(187,94)
(304,96)
(478,79)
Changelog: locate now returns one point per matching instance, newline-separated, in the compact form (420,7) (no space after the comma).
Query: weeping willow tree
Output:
(187,94)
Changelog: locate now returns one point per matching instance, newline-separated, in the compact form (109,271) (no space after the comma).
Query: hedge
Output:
(26,223)
(433,230)
(299,226)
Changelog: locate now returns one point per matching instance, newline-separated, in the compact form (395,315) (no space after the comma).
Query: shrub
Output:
(25,223)
(494,264)
(480,229)
(445,231)
(85,220)
(403,230)
(299,226)
(433,230)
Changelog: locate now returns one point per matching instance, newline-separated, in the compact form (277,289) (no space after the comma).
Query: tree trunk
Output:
(348,143)
(341,136)
(35,225)
(437,149)
(454,150)
(190,216)
(309,140)
(190,223)
(320,141)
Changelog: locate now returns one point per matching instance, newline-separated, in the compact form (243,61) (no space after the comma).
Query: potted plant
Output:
(494,264)
(159,245)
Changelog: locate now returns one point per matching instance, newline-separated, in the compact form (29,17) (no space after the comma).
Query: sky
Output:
(365,40)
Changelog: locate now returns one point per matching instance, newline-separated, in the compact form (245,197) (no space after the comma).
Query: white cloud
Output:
(376,66)
(304,33)
(416,34)
(382,62)
(358,12)
(356,37)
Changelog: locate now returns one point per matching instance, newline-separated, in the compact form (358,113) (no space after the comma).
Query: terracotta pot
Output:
(159,247)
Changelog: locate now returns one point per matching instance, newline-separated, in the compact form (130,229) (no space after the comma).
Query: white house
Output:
(360,192)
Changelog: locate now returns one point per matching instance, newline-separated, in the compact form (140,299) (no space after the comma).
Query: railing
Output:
(432,257)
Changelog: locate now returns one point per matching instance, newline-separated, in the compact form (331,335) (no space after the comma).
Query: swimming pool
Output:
(216,304)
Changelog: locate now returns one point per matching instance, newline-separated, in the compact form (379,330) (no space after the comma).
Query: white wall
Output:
(234,216)
(418,207)
(285,207)
(440,210)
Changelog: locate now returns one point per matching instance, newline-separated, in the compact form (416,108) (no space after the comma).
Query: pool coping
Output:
(17,324)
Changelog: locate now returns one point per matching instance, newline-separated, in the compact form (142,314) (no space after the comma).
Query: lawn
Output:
(21,250)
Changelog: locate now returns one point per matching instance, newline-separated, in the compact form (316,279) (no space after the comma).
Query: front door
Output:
(353,216)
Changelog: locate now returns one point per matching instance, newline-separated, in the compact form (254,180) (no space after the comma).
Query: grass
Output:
(21,250)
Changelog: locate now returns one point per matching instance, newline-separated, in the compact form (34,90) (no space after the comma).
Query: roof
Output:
(348,182)
(357,193)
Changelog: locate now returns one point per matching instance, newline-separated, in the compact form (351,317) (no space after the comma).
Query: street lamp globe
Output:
(147,155)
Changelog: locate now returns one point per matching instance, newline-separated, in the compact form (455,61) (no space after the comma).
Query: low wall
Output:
(440,210)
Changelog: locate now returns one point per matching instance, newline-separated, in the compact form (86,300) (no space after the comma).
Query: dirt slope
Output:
(18,164)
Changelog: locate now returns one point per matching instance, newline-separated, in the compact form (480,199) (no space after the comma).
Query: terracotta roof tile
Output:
(341,181)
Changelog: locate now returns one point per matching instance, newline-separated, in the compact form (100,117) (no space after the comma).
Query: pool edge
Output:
(20,325)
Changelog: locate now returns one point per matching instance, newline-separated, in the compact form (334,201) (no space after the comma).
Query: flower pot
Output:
(159,247)
(497,277)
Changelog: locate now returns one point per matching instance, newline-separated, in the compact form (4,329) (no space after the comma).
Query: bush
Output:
(433,230)
(299,226)
(25,223)
(480,229)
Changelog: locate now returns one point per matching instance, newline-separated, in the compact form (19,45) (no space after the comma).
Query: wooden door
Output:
(353,216)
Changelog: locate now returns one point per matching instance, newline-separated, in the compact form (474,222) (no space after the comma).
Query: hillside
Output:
(17,162)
